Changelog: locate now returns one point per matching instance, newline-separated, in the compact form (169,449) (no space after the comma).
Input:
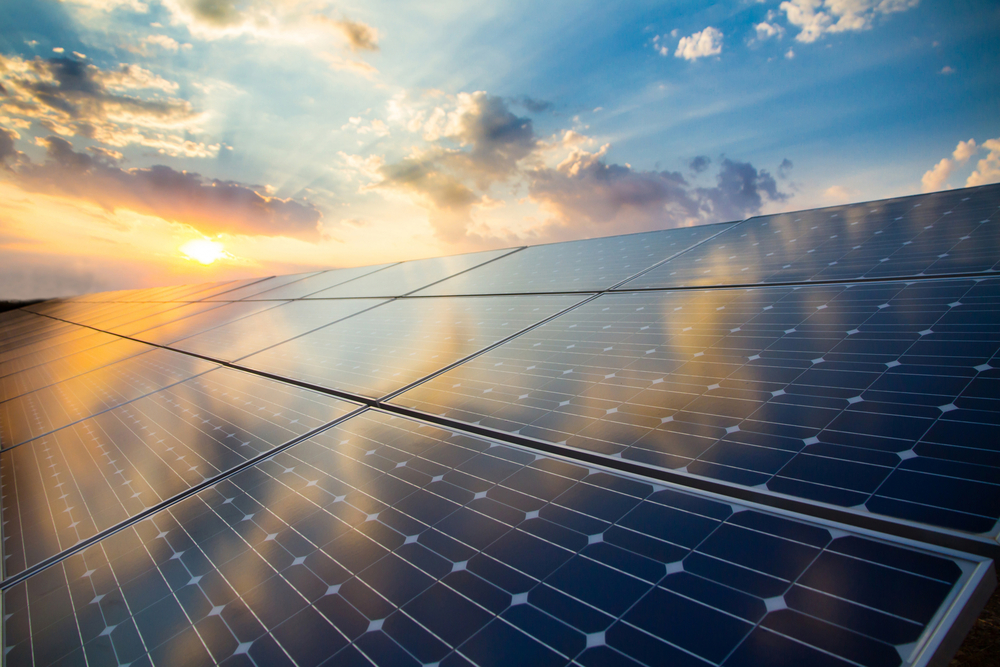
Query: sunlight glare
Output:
(203,250)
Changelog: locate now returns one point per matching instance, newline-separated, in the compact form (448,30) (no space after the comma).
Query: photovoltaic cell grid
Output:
(881,396)
(575,266)
(942,233)
(75,482)
(388,541)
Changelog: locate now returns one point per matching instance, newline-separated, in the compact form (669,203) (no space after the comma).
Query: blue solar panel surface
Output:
(754,443)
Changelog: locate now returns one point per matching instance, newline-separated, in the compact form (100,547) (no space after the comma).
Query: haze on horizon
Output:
(154,142)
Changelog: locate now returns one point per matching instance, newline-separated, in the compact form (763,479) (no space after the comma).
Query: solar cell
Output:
(313,284)
(211,317)
(589,265)
(76,339)
(943,233)
(31,415)
(386,348)
(880,397)
(256,332)
(407,277)
(71,484)
(391,541)
(69,366)
(259,286)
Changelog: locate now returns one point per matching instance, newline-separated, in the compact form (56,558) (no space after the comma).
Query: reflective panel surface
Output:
(594,264)
(275,325)
(882,397)
(71,484)
(313,284)
(407,277)
(75,339)
(259,286)
(387,541)
(386,348)
(69,366)
(942,233)
(48,409)
(202,321)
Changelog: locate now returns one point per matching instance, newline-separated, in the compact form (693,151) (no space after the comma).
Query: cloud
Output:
(815,18)
(785,168)
(964,150)
(478,142)
(708,42)
(699,164)
(837,193)
(7,149)
(790,53)
(585,195)
(766,31)
(987,169)
(359,36)
(73,98)
(211,206)
(342,64)
(936,178)
(947,69)
(532,105)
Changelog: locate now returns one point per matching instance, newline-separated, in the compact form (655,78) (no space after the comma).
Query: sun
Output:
(203,250)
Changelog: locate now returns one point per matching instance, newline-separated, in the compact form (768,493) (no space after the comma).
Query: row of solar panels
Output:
(487,479)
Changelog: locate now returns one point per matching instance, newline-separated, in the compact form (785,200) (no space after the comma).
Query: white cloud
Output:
(767,30)
(790,53)
(987,169)
(965,150)
(707,42)
(814,18)
(837,193)
(936,178)
(947,69)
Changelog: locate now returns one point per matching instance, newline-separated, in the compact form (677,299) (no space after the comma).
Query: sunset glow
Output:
(203,250)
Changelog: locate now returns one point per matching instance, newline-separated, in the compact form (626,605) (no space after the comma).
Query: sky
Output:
(157,142)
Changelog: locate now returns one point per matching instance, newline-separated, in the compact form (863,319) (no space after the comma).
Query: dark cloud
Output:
(7,149)
(784,168)
(493,139)
(360,37)
(211,206)
(447,198)
(740,192)
(587,196)
(531,104)
(699,164)
(71,97)
(214,12)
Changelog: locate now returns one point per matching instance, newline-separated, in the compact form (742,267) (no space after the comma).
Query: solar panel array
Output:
(764,442)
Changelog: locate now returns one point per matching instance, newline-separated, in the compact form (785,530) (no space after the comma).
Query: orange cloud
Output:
(211,206)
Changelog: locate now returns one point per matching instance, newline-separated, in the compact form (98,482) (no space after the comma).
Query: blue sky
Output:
(302,133)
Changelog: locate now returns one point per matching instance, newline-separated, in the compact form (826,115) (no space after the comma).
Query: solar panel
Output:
(256,332)
(943,233)
(407,277)
(316,283)
(763,442)
(31,415)
(114,349)
(386,348)
(218,315)
(575,266)
(391,541)
(862,396)
(71,484)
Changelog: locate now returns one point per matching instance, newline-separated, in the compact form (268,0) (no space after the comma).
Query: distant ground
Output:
(982,647)
(11,305)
